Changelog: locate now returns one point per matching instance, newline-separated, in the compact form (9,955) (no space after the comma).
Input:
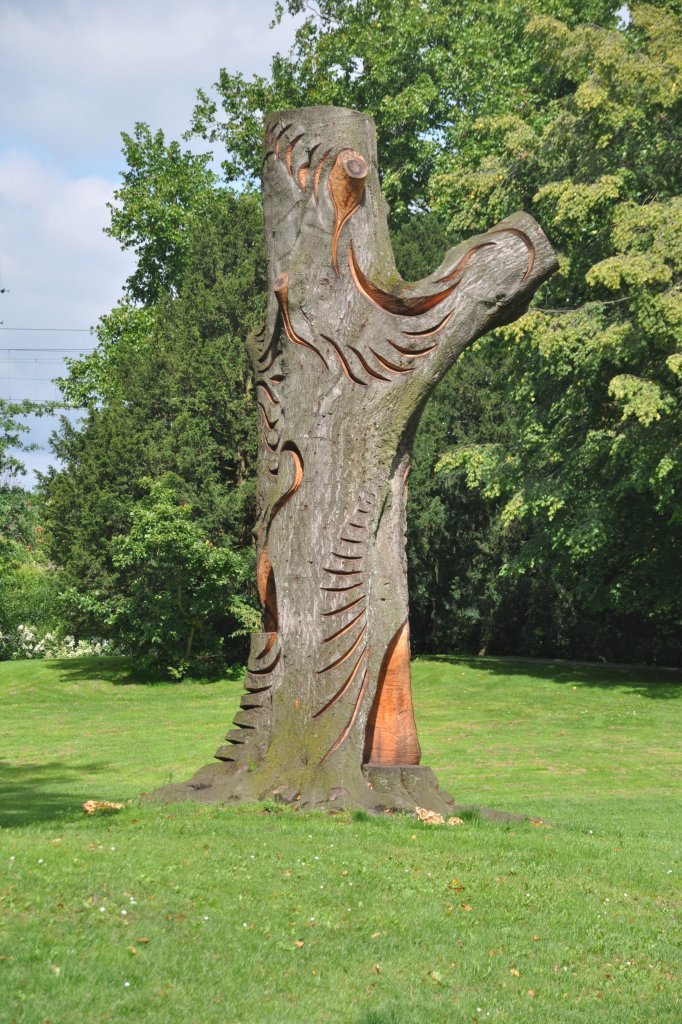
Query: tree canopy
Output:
(543,514)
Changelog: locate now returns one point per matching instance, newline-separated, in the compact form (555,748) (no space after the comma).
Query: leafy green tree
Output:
(163,187)
(587,486)
(423,70)
(168,391)
(176,593)
(28,588)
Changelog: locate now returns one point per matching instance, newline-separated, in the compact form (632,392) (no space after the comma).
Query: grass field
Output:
(258,915)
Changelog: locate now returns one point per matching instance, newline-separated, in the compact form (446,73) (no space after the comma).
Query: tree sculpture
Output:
(343,366)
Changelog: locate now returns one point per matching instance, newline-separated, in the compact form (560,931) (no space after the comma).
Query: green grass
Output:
(264,916)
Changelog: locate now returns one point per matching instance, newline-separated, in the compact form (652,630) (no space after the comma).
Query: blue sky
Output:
(73,75)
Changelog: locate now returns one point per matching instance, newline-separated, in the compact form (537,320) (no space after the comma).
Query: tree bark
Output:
(344,365)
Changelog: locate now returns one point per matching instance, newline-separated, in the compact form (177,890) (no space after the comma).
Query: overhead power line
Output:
(53,348)
(59,330)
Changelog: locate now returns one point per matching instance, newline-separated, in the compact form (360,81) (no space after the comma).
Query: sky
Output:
(74,74)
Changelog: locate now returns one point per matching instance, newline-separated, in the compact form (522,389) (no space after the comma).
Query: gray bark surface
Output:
(344,365)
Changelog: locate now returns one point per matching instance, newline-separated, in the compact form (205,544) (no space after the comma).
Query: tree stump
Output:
(343,367)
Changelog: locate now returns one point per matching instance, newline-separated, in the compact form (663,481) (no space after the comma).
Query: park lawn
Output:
(259,915)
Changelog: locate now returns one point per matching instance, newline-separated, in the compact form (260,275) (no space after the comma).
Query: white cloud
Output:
(62,270)
(77,72)
(73,75)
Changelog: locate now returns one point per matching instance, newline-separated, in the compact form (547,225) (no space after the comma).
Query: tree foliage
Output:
(174,589)
(588,482)
(164,188)
(167,391)
(543,516)
(28,588)
(422,70)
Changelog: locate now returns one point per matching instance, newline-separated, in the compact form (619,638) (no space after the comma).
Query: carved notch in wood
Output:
(391,735)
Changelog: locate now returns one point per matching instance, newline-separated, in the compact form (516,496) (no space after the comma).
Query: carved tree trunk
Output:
(344,364)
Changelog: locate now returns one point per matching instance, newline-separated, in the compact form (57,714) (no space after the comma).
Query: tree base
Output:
(383,788)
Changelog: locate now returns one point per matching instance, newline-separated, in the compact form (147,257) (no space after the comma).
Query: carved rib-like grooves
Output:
(266,367)
(291,450)
(345,365)
(526,241)
(428,332)
(345,607)
(390,366)
(335,590)
(463,263)
(290,152)
(342,689)
(318,172)
(269,395)
(367,367)
(411,353)
(344,735)
(267,669)
(281,289)
(271,641)
(344,657)
(279,137)
(344,629)
(270,424)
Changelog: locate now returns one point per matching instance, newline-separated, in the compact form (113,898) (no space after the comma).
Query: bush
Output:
(25,642)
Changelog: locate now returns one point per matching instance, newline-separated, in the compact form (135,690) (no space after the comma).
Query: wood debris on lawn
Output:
(106,806)
(434,818)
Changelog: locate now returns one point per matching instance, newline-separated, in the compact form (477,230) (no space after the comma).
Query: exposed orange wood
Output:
(267,591)
(401,305)
(346,186)
(391,736)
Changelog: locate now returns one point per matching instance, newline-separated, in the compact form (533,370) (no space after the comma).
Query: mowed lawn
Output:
(258,915)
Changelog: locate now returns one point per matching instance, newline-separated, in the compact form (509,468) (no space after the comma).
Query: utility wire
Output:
(59,330)
(52,349)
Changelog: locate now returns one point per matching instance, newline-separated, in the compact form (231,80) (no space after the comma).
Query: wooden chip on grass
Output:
(429,817)
(103,806)
(434,818)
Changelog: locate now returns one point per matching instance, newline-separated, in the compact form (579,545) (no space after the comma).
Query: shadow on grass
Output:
(656,683)
(120,671)
(35,793)
(380,1016)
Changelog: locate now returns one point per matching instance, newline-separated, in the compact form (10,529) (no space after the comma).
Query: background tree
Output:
(167,391)
(28,588)
(585,487)
(423,71)
(164,189)
(552,527)
(580,126)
